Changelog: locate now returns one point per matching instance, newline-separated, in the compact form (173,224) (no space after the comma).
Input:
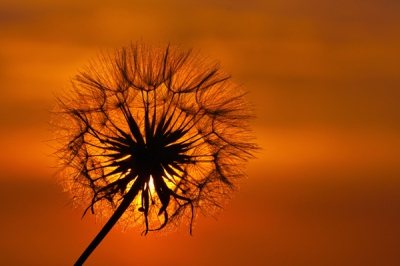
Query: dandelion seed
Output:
(150,137)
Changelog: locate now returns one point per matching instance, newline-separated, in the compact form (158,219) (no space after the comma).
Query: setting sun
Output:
(152,136)
(323,96)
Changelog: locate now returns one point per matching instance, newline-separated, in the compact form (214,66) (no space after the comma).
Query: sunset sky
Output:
(324,80)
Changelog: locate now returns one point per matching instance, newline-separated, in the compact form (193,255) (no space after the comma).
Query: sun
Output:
(151,136)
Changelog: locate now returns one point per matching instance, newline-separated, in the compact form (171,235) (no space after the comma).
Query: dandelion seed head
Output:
(157,122)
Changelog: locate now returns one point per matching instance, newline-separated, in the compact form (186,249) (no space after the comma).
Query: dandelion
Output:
(151,136)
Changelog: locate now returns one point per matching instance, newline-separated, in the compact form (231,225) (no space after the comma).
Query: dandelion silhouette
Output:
(150,136)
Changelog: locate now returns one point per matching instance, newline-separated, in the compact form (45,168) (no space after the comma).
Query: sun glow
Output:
(150,136)
(150,184)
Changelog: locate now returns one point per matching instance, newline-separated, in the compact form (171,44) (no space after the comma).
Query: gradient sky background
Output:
(324,77)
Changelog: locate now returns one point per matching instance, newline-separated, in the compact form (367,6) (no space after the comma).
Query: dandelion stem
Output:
(108,226)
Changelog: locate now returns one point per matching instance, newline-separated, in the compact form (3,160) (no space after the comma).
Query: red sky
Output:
(324,80)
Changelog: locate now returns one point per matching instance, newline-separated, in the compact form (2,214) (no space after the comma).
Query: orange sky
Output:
(324,80)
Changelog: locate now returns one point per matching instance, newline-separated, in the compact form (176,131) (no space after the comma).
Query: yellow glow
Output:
(151,183)
(138,201)
(169,180)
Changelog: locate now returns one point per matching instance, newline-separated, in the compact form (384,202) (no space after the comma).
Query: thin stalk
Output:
(108,226)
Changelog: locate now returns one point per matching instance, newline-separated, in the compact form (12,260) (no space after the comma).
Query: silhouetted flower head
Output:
(160,127)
